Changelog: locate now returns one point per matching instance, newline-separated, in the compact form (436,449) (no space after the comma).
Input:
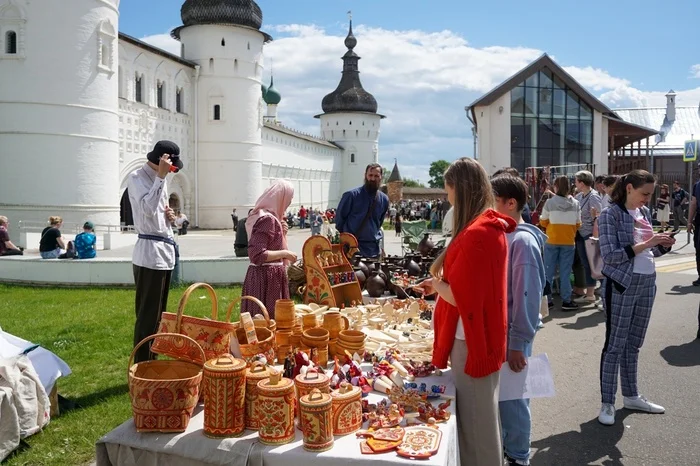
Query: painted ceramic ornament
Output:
(420,442)
(427,411)
(383,446)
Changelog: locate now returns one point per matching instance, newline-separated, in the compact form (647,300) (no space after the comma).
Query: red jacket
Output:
(475,266)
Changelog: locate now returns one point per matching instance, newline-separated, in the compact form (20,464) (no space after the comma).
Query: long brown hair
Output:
(637,178)
(473,195)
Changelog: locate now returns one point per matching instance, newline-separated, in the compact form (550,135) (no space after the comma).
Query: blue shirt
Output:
(85,245)
(353,208)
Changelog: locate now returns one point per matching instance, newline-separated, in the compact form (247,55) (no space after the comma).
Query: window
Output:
(211,65)
(550,124)
(178,100)
(217,112)
(138,88)
(11,42)
(161,94)
(352,158)
(106,38)
(223,42)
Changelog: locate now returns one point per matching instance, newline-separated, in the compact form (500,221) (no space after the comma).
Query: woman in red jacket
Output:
(470,317)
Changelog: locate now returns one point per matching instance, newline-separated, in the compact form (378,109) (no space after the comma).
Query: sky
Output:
(424,61)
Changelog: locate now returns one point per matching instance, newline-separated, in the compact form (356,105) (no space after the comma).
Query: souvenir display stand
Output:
(123,445)
(330,278)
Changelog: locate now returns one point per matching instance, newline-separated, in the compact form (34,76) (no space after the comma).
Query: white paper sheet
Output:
(535,381)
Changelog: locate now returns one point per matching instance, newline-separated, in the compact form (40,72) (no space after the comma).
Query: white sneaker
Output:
(607,414)
(642,404)
(586,300)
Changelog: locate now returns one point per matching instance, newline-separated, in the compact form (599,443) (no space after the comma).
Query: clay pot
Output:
(360,264)
(375,285)
(425,245)
(361,277)
(412,267)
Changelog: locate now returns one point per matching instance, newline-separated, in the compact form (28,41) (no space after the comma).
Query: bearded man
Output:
(361,211)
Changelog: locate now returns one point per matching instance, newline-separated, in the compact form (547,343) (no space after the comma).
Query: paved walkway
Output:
(219,243)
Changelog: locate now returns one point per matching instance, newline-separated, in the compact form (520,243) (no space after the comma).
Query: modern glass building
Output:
(542,117)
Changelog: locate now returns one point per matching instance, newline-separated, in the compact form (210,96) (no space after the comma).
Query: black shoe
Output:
(696,282)
(570,306)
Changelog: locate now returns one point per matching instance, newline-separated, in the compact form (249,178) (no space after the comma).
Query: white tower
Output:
(224,38)
(350,119)
(59,151)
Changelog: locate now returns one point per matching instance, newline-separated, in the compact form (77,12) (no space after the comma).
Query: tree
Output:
(411,183)
(437,173)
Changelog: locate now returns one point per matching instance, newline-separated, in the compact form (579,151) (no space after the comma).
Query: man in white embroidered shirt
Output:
(155,250)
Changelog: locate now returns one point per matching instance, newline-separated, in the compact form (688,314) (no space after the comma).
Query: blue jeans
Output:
(515,425)
(562,256)
(581,249)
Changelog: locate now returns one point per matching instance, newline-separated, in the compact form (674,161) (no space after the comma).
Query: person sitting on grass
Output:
(6,246)
(86,242)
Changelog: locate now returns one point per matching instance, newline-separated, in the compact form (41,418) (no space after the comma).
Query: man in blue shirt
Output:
(361,212)
(86,242)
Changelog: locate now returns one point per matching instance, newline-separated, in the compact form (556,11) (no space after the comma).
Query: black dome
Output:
(350,96)
(238,12)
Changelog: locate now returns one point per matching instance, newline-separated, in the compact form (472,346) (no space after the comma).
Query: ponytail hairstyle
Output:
(473,195)
(55,220)
(637,178)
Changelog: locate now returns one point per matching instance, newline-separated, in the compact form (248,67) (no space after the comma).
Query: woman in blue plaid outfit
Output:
(628,247)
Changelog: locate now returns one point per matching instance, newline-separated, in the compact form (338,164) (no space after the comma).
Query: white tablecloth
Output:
(126,447)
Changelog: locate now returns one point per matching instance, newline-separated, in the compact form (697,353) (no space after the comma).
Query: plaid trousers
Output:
(627,320)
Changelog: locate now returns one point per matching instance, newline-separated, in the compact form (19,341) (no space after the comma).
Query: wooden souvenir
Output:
(420,442)
(254,374)
(315,417)
(313,379)
(224,388)
(391,434)
(383,446)
(365,449)
(164,393)
(347,409)
(275,408)
(316,254)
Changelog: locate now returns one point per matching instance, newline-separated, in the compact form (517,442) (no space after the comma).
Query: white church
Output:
(81,104)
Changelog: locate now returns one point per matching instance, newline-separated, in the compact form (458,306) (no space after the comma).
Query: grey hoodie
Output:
(526,280)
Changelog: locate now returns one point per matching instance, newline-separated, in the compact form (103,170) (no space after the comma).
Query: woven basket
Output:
(212,335)
(264,329)
(296,278)
(164,393)
(268,323)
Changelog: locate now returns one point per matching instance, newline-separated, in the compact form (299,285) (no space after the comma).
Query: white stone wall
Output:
(230,149)
(313,168)
(59,152)
(358,134)
(141,125)
(493,125)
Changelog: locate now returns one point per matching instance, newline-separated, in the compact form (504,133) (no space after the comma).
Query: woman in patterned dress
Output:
(266,278)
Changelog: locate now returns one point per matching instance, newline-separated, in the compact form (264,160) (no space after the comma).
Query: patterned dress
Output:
(268,283)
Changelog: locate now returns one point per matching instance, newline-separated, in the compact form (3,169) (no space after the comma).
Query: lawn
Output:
(92,330)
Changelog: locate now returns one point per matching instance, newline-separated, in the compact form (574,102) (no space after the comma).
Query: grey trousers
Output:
(478,422)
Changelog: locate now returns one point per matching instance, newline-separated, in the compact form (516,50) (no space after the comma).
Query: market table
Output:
(124,446)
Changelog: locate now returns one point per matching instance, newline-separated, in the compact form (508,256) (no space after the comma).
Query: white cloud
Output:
(163,41)
(422,81)
(695,70)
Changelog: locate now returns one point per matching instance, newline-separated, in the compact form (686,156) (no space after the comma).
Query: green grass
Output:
(92,330)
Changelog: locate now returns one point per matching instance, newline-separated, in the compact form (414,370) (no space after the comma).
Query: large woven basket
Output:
(266,336)
(164,393)
(212,335)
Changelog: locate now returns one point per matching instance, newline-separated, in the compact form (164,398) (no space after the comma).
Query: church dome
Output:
(349,96)
(272,96)
(263,90)
(240,12)
(245,13)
